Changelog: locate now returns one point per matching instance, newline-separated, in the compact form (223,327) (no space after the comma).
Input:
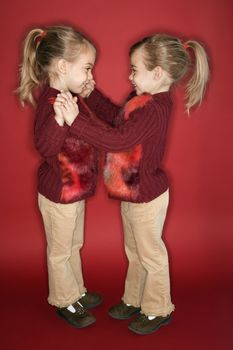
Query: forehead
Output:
(87,55)
(137,57)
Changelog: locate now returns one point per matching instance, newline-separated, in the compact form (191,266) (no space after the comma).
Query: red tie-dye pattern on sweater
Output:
(121,172)
(78,169)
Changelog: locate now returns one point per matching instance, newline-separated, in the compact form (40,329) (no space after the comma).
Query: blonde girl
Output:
(59,59)
(134,174)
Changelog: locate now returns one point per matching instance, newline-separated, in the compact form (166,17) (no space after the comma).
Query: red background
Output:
(198,230)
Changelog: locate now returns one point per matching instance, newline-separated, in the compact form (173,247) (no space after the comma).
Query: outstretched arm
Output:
(142,125)
(104,108)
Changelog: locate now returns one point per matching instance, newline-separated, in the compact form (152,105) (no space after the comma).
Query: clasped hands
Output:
(66,106)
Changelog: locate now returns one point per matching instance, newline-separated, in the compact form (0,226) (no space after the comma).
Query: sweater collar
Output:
(165,96)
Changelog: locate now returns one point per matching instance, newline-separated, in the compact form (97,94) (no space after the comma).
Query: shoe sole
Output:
(165,323)
(76,326)
(125,317)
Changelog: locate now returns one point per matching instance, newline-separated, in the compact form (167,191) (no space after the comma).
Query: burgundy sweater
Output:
(135,148)
(69,168)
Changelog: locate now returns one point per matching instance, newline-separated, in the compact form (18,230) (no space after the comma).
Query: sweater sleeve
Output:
(104,108)
(140,126)
(48,135)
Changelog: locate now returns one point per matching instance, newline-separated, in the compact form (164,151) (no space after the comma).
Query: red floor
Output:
(202,320)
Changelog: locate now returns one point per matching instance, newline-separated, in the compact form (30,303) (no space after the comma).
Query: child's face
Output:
(142,79)
(79,72)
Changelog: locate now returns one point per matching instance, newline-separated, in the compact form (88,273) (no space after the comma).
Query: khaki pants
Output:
(147,283)
(64,226)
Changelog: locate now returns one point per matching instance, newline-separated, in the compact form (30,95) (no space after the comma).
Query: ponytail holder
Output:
(39,37)
(185,46)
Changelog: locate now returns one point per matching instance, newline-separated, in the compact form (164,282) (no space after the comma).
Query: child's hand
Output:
(65,106)
(58,113)
(88,88)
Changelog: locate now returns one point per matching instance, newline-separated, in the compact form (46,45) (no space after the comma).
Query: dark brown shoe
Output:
(90,300)
(123,311)
(80,318)
(142,325)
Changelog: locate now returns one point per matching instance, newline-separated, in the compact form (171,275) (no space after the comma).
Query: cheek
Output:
(139,79)
(84,76)
(81,78)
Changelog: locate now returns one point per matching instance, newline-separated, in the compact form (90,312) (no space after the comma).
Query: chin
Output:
(76,91)
(138,91)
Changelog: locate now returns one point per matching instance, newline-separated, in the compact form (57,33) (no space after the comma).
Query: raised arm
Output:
(143,124)
(104,108)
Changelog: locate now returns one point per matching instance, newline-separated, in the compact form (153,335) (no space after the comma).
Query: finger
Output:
(58,104)
(63,111)
(67,95)
(70,107)
(60,99)
(66,106)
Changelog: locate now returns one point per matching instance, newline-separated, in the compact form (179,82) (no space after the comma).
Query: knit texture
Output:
(69,168)
(136,145)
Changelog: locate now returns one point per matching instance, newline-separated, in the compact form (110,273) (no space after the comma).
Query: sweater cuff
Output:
(93,98)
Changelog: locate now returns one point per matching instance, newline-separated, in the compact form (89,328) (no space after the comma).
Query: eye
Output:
(87,69)
(133,71)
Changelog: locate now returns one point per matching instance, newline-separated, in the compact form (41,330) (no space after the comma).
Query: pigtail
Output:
(175,58)
(41,49)
(196,86)
(29,69)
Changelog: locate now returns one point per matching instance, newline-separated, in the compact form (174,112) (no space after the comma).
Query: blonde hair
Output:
(40,49)
(172,55)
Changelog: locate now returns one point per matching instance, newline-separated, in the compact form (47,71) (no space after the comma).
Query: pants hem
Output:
(65,303)
(158,312)
(128,302)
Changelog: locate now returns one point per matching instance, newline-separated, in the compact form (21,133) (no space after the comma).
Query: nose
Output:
(131,77)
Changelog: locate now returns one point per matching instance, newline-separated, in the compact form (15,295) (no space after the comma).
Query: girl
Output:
(135,175)
(59,58)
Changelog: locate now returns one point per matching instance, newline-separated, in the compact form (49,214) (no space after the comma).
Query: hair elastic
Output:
(185,46)
(40,36)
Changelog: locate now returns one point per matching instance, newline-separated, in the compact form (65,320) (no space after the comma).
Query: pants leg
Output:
(147,221)
(136,273)
(64,233)
(75,259)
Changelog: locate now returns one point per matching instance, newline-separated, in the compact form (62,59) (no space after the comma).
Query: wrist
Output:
(69,123)
(59,120)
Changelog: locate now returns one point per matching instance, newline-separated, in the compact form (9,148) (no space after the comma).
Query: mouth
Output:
(82,87)
(137,90)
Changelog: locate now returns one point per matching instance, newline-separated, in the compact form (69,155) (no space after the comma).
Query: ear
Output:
(158,73)
(62,66)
